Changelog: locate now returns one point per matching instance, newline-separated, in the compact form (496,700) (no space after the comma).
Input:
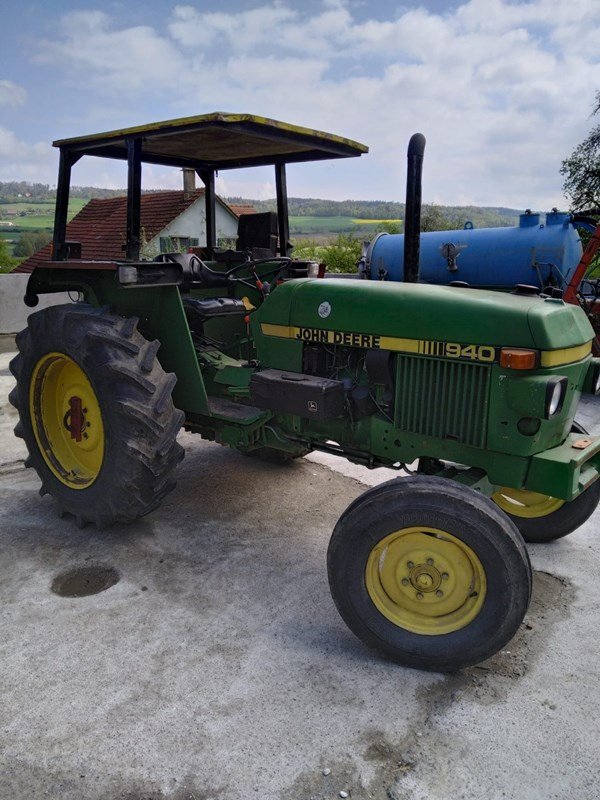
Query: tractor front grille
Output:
(444,399)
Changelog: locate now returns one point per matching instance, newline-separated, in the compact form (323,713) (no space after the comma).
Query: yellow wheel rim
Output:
(66,420)
(426,581)
(521,503)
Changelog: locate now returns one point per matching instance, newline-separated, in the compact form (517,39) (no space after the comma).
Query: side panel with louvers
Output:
(445,399)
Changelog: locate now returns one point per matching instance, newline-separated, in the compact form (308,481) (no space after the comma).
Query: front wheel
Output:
(542,518)
(429,572)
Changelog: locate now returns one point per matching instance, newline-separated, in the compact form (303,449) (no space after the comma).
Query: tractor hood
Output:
(417,311)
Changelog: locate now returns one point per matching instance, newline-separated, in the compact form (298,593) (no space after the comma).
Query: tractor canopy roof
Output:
(217,141)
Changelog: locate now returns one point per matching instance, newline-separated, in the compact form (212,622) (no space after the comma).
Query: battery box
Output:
(308,396)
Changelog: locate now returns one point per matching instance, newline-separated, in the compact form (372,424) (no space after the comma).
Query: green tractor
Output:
(251,349)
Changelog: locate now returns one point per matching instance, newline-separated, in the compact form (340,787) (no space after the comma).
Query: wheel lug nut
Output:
(404,581)
(430,561)
(445,576)
(439,593)
(419,596)
(410,564)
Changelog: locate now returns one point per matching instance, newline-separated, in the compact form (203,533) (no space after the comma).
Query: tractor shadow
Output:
(242,536)
(236,534)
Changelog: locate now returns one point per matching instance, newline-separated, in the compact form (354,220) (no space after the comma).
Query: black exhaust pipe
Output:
(412,212)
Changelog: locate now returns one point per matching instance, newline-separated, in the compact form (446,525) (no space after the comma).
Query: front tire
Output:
(96,413)
(429,572)
(542,518)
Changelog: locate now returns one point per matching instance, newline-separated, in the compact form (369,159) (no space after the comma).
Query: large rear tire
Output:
(96,413)
(429,572)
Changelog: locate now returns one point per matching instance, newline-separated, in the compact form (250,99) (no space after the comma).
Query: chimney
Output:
(189,182)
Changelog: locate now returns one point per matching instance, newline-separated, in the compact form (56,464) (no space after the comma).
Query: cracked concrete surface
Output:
(217,668)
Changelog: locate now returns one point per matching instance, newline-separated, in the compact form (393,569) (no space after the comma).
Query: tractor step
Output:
(225,409)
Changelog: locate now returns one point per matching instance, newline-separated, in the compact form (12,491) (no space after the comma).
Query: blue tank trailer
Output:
(541,251)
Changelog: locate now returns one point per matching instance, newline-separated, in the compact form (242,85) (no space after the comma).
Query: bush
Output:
(6,262)
(30,243)
(340,255)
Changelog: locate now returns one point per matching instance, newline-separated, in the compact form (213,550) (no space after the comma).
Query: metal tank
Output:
(536,253)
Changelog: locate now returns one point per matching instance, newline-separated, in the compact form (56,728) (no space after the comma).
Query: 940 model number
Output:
(470,352)
(473,352)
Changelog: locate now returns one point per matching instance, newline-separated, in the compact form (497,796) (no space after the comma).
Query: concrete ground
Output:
(217,668)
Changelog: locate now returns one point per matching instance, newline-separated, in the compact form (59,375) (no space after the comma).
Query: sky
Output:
(501,89)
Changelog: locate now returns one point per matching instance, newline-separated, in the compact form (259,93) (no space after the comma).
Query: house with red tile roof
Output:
(242,208)
(170,221)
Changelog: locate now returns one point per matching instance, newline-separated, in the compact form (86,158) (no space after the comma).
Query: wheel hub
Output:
(74,420)
(67,420)
(425,580)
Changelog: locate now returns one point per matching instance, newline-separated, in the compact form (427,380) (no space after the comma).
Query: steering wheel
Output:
(196,271)
(282,263)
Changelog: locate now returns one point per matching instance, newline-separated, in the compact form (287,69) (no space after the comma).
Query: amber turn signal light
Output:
(514,358)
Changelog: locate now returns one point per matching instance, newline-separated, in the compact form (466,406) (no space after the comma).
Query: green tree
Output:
(30,243)
(582,170)
(6,262)
(391,227)
(434,218)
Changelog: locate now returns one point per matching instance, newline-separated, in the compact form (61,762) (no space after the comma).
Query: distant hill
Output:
(23,191)
(455,216)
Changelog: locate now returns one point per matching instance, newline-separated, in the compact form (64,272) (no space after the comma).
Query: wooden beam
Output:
(282,209)
(134,199)
(208,179)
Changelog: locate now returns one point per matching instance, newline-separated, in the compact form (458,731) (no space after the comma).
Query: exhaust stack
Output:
(412,213)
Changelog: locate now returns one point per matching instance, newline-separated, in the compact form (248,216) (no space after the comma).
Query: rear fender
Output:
(161,316)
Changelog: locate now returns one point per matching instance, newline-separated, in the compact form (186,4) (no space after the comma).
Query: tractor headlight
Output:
(538,396)
(556,390)
(592,378)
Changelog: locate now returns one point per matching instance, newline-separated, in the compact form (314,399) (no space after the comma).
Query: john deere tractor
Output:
(251,349)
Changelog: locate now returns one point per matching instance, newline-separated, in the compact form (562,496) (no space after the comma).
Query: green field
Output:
(374,222)
(34,221)
(45,207)
(321,224)
(38,217)
(333,224)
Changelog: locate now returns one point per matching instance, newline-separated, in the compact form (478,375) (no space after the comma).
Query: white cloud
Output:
(244,30)
(502,90)
(11,94)
(116,61)
(257,73)
(22,161)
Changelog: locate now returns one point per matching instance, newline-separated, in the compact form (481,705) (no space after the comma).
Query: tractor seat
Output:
(194,270)
(200,310)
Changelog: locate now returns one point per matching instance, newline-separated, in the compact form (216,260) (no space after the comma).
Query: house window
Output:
(177,244)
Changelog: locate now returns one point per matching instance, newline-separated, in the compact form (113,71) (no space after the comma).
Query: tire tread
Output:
(144,416)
